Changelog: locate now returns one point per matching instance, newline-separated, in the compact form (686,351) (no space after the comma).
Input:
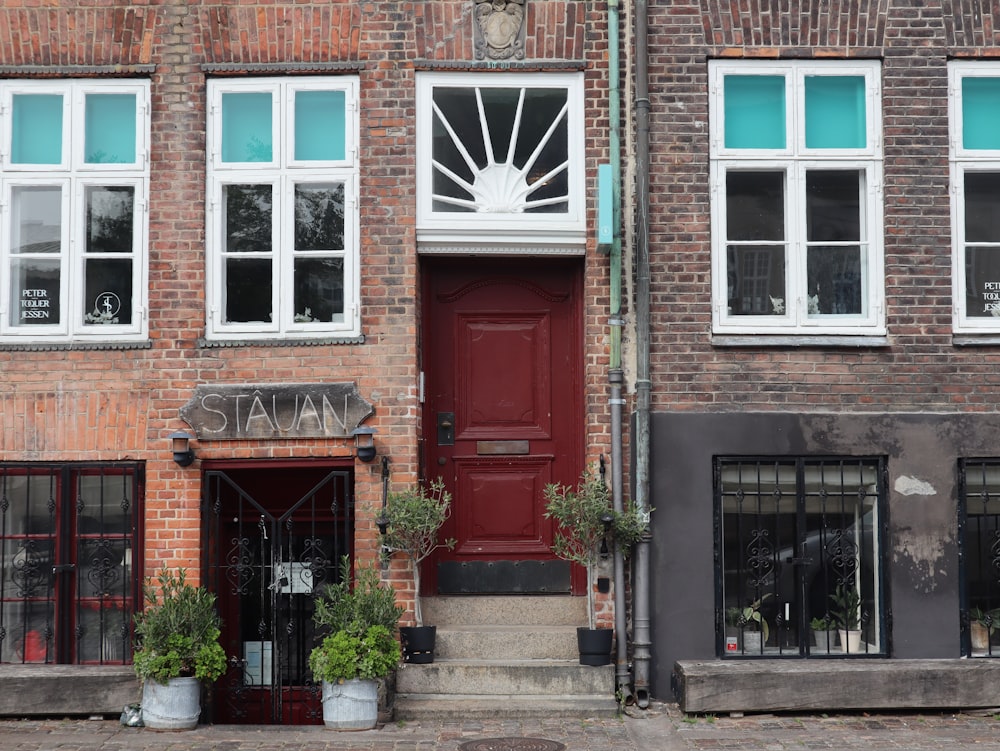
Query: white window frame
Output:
(962,161)
(73,175)
(284,172)
(794,160)
(528,228)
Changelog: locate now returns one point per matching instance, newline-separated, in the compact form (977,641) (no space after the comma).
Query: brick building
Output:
(823,348)
(260,231)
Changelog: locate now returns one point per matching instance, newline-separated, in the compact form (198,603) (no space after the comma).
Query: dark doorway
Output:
(274,534)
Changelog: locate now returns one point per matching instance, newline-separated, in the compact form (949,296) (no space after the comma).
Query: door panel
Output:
(502,360)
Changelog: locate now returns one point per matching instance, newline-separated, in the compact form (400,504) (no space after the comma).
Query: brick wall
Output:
(63,404)
(919,368)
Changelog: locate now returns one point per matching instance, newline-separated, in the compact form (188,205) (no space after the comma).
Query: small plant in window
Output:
(306,317)
(847,607)
(753,620)
(99,317)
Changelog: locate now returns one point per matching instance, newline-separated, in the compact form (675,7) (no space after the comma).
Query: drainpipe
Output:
(615,373)
(640,615)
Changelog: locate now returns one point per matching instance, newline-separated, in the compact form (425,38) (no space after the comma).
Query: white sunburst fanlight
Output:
(500,186)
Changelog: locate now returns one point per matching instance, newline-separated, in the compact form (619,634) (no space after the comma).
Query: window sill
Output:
(790,340)
(206,343)
(976,340)
(53,346)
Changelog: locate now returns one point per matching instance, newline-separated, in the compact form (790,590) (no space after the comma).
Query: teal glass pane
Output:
(835,112)
(320,120)
(246,128)
(981,113)
(109,130)
(37,129)
(755,112)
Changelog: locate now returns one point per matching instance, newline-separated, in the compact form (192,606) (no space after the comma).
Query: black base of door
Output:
(418,644)
(594,645)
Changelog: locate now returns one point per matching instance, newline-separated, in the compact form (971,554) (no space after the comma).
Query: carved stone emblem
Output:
(499,29)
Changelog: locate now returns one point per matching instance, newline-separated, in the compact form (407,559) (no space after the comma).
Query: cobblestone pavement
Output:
(660,728)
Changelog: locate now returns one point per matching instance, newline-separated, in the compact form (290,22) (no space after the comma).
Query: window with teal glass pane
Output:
(981,113)
(755,112)
(246,127)
(36,136)
(319,125)
(109,132)
(835,112)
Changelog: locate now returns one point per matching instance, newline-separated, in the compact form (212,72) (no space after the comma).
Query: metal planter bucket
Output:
(351,705)
(174,706)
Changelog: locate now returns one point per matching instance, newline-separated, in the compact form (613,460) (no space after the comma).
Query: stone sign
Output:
(269,411)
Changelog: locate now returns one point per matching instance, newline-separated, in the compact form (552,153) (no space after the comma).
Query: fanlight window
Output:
(500,150)
(500,162)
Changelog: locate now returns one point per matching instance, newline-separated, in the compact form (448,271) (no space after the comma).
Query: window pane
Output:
(980,561)
(109,136)
(835,112)
(319,290)
(822,513)
(755,206)
(109,219)
(756,280)
(833,205)
(980,113)
(27,625)
(319,217)
(835,280)
(982,207)
(108,296)
(37,219)
(37,129)
(34,292)
(320,123)
(36,230)
(248,219)
(982,281)
(248,290)
(246,127)
(754,112)
(480,157)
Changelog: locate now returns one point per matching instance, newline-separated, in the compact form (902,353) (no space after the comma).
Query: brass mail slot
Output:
(502,447)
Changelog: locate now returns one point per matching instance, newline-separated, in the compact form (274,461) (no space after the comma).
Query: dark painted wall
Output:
(922,552)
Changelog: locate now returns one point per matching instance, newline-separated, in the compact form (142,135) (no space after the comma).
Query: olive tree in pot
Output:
(584,519)
(177,649)
(359,647)
(411,521)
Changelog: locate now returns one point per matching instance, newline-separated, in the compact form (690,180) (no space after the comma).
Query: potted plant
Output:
(755,627)
(584,518)
(177,649)
(982,625)
(824,633)
(358,649)
(411,520)
(847,615)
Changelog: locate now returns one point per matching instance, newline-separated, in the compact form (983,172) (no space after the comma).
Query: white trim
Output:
(961,162)
(73,176)
(469,227)
(283,173)
(791,312)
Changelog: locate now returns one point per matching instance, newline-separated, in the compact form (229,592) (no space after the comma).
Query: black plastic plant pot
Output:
(594,645)
(418,644)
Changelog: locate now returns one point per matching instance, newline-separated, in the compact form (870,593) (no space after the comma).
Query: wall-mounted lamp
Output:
(364,439)
(180,443)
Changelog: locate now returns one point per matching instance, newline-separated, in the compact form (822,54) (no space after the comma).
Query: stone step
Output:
(502,706)
(505,677)
(499,642)
(541,610)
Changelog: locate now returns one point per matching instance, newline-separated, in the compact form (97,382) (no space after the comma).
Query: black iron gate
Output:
(273,536)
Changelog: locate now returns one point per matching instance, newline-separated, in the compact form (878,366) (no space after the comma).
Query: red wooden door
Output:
(503,416)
